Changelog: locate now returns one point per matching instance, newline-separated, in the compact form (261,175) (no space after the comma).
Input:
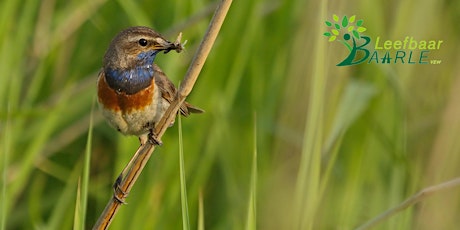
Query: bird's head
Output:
(136,46)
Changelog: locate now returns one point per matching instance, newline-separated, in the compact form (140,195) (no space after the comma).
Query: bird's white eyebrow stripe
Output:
(158,40)
(137,38)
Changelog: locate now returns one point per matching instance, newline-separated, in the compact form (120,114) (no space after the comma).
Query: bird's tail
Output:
(186,109)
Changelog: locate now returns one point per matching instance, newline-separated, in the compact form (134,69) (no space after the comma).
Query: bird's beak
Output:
(163,44)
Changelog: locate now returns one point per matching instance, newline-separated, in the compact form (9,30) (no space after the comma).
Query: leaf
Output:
(335,17)
(335,32)
(327,34)
(359,22)
(356,34)
(354,101)
(328,23)
(337,26)
(351,28)
(345,21)
(362,29)
(332,38)
(352,19)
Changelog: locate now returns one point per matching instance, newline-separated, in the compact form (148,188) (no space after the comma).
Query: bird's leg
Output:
(153,139)
(143,139)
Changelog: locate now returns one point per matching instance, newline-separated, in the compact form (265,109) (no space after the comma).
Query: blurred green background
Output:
(335,146)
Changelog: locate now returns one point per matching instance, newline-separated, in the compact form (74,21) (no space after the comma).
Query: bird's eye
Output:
(142,42)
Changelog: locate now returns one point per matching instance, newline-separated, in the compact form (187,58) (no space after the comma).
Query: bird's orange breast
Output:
(120,101)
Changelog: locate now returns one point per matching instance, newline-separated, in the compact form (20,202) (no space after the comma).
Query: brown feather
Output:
(168,91)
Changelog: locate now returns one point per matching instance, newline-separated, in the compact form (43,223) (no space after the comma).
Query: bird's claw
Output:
(153,139)
(118,194)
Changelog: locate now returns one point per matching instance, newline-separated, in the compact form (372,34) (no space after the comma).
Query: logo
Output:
(349,32)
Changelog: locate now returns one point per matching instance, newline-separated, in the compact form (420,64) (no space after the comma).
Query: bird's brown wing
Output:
(168,91)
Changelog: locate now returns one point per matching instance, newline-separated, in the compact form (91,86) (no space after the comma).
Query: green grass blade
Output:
(354,102)
(308,179)
(183,183)
(78,218)
(47,126)
(138,17)
(59,218)
(82,193)
(6,143)
(251,222)
(200,211)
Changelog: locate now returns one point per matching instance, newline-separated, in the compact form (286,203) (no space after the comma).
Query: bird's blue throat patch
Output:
(146,58)
(131,81)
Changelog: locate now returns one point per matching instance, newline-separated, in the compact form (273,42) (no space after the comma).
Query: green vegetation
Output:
(288,141)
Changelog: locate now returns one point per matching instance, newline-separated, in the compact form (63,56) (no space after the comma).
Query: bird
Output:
(133,92)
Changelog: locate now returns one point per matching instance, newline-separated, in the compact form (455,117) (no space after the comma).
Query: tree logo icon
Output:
(348,31)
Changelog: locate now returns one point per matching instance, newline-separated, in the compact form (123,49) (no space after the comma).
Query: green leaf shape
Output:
(337,26)
(328,23)
(356,34)
(344,21)
(362,29)
(335,17)
(356,98)
(352,19)
(351,28)
(359,22)
(332,38)
(327,34)
(335,32)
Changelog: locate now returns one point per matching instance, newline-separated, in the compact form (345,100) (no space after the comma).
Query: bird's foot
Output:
(153,139)
(118,194)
